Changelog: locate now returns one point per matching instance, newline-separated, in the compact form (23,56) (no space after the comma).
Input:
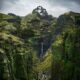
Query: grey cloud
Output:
(64,1)
(3,3)
(11,1)
(76,1)
(72,5)
(53,6)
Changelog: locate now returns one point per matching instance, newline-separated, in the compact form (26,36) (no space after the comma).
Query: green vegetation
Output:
(39,46)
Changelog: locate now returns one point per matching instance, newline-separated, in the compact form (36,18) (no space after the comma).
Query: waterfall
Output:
(42,48)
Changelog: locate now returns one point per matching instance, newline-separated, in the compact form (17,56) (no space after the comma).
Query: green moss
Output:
(45,64)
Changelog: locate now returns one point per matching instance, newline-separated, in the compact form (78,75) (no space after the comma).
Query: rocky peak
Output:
(40,10)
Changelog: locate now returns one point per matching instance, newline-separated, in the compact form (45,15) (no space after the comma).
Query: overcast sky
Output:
(24,7)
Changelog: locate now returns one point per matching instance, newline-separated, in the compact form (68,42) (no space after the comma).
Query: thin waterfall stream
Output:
(42,48)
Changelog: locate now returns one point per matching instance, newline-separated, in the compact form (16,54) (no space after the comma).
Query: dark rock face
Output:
(41,11)
(44,44)
(45,37)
